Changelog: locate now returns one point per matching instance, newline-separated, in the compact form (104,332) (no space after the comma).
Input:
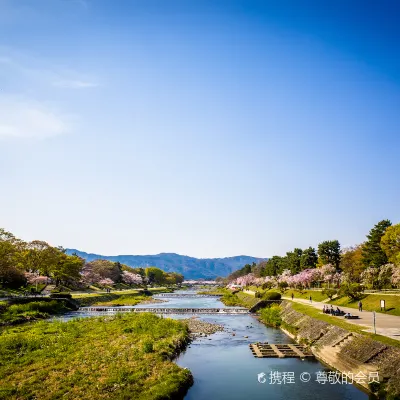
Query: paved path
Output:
(386,325)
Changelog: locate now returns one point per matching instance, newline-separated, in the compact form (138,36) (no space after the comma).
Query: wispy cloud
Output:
(21,118)
(75,84)
(43,72)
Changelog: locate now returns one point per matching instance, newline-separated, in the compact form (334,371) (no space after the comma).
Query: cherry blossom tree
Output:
(396,277)
(131,279)
(106,282)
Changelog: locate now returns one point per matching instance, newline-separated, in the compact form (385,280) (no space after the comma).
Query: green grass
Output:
(18,313)
(124,300)
(271,315)
(317,314)
(127,356)
(371,302)
(305,294)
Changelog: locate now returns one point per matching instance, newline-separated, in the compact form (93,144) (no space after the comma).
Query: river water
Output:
(224,367)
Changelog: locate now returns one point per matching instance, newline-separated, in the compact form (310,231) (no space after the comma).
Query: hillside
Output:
(190,267)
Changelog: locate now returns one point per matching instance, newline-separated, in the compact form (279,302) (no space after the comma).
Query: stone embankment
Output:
(346,351)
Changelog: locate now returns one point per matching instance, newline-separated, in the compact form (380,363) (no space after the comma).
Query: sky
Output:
(205,128)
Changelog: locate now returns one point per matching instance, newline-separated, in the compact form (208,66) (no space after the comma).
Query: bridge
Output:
(186,295)
(164,310)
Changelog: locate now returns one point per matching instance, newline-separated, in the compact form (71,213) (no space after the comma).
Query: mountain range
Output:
(190,267)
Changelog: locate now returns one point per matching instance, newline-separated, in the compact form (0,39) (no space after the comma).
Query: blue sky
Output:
(207,128)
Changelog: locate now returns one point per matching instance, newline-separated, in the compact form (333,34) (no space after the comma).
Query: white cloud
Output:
(75,84)
(27,119)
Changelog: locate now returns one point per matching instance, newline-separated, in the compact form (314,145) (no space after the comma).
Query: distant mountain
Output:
(190,267)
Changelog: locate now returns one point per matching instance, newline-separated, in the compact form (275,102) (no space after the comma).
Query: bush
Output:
(351,290)
(271,315)
(148,346)
(329,292)
(272,296)
(61,295)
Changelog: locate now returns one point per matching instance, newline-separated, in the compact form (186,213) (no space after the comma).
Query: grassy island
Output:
(127,356)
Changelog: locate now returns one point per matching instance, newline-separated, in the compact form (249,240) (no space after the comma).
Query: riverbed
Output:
(223,366)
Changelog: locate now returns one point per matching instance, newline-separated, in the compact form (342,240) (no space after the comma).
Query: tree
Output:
(351,290)
(155,275)
(370,277)
(293,260)
(351,263)
(385,276)
(67,269)
(103,269)
(11,273)
(131,279)
(390,243)
(329,253)
(372,253)
(308,259)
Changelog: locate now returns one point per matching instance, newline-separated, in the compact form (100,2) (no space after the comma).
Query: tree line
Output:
(374,263)
(37,262)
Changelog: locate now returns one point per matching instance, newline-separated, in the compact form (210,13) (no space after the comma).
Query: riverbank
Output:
(346,351)
(15,314)
(337,343)
(118,357)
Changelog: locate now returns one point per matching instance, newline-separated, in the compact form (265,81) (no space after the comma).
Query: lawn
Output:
(371,302)
(127,356)
(305,294)
(317,314)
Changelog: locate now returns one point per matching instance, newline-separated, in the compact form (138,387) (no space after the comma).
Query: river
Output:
(223,366)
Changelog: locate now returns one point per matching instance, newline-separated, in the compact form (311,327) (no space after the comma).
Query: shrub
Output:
(148,346)
(351,290)
(272,296)
(329,292)
(61,295)
(271,315)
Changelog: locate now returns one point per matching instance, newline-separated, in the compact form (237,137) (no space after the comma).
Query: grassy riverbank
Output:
(316,314)
(20,313)
(122,357)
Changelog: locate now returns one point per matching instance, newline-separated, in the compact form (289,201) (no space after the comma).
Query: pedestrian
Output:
(310,299)
(292,296)
(360,306)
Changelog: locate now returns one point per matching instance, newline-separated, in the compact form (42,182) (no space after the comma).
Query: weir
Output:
(160,310)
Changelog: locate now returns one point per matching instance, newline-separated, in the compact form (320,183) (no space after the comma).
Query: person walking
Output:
(360,306)
(292,296)
(310,299)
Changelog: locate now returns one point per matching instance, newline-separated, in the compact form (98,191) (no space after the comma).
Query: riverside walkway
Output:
(184,295)
(386,325)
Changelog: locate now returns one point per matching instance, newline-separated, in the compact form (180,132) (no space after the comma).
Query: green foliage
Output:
(351,263)
(94,358)
(329,253)
(329,292)
(31,310)
(390,243)
(59,295)
(351,290)
(271,315)
(293,260)
(272,296)
(372,253)
(309,258)
(155,275)
(148,346)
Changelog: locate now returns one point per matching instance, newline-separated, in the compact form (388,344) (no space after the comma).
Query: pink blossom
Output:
(106,282)
(131,279)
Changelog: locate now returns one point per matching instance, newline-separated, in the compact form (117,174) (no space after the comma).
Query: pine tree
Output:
(372,253)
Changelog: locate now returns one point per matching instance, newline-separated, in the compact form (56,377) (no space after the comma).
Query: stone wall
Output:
(346,351)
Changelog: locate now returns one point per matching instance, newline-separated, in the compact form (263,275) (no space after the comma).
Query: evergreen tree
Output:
(372,253)
(329,253)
